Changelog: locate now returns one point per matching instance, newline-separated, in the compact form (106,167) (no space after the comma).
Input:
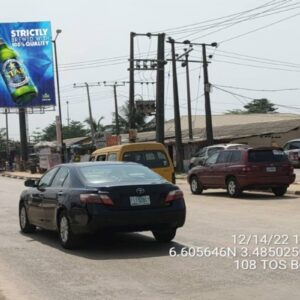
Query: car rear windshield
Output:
(117,174)
(149,158)
(258,156)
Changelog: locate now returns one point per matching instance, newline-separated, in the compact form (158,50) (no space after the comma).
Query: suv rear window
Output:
(151,158)
(294,145)
(266,156)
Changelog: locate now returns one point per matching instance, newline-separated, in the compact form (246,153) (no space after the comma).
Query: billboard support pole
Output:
(58,31)
(23,136)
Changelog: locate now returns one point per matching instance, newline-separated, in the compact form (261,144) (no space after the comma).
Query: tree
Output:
(49,133)
(37,136)
(75,129)
(257,106)
(260,106)
(140,119)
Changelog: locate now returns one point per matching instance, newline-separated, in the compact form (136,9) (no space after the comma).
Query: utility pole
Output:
(68,118)
(87,86)
(155,64)
(177,121)
(186,65)
(209,130)
(115,85)
(131,86)
(160,89)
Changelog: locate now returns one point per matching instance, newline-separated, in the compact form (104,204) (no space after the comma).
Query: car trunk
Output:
(130,197)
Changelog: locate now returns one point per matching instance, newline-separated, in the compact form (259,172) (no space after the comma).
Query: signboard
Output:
(26,65)
(112,140)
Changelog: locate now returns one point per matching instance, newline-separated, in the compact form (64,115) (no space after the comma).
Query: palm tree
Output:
(99,128)
(124,116)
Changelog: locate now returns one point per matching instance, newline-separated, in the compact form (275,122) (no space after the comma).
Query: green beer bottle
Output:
(15,75)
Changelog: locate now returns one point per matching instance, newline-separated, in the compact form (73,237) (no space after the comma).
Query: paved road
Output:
(134,266)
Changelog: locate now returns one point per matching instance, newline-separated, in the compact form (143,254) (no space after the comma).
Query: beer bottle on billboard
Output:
(15,75)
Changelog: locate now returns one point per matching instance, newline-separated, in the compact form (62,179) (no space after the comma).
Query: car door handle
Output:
(60,193)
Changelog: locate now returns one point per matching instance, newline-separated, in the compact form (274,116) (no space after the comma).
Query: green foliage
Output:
(257,106)
(49,133)
(98,127)
(36,136)
(75,129)
(124,116)
(260,106)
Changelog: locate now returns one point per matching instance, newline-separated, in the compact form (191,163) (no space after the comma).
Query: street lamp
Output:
(58,31)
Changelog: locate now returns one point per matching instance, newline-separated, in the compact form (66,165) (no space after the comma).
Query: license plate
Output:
(271,169)
(139,200)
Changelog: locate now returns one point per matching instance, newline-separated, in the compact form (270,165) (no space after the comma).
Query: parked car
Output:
(80,198)
(200,156)
(292,149)
(244,169)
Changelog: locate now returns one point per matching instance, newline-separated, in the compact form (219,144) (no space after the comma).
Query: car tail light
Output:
(96,199)
(173,195)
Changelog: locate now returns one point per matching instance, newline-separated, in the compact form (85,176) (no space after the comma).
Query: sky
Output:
(257,54)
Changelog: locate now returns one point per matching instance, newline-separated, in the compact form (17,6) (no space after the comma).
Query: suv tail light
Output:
(96,199)
(173,195)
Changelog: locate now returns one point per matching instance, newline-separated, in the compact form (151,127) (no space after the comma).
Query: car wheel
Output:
(279,191)
(25,226)
(233,188)
(164,235)
(195,185)
(67,239)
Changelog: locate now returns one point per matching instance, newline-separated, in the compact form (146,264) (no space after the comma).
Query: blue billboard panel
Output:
(26,65)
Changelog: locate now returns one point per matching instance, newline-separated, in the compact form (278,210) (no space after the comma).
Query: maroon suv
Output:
(244,169)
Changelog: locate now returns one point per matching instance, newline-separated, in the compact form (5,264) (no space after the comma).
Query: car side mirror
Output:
(201,163)
(31,183)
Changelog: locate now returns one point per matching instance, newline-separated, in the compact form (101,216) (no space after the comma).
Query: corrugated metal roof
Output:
(229,127)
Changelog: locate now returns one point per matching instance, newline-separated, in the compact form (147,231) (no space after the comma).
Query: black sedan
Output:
(80,198)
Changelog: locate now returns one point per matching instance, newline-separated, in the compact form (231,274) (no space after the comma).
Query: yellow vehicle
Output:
(152,155)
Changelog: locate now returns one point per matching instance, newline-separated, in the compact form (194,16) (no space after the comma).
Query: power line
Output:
(256,90)
(259,28)
(254,66)
(237,20)
(259,61)
(174,30)
(258,58)
(251,98)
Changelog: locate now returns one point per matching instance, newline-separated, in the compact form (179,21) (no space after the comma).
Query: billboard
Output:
(26,65)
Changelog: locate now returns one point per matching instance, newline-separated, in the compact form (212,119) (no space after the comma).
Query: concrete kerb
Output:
(20,175)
